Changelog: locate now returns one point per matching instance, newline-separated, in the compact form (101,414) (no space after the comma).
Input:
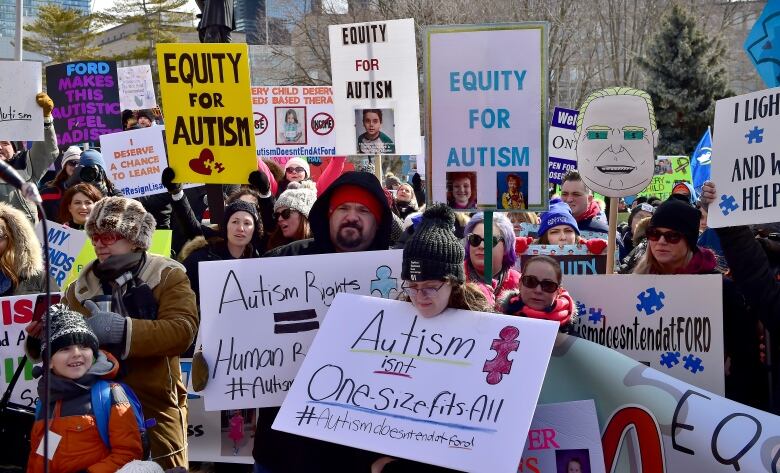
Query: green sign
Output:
(669,170)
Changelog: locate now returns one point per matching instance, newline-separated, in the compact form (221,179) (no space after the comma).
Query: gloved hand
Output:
(46,103)
(259,181)
(168,175)
(200,371)
(596,245)
(707,194)
(771,248)
(521,244)
(109,327)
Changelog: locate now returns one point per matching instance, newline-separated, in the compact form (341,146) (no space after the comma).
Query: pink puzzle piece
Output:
(501,365)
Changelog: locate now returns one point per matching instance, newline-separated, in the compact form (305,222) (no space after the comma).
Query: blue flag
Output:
(701,160)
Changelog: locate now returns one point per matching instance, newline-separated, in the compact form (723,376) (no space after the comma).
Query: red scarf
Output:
(561,311)
(702,262)
(592,211)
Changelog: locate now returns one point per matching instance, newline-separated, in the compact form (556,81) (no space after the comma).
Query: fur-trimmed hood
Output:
(28,261)
(191,247)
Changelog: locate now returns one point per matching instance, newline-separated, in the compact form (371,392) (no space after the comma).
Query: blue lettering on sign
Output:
(504,156)
(486,80)
(565,118)
(84,68)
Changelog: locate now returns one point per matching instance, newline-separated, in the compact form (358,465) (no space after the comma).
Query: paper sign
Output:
(745,162)
(135,160)
(136,89)
(661,321)
(487,145)
(669,170)
(220,436)
(457,390)
(257,321)
(564,437)
(377,103)
(21,118)
(574,259)
(86,100)
(206,95)
(294,121)
(65,244)
(561,143)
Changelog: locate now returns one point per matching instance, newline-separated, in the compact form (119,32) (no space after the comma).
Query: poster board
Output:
(562,145)
(65,245)
(21,118)
(136,88)
(208,108)
(461,400)
(574,259)
(135,160)
(86,100)
(271,313)
(487,116)
(663,321)
(374,68)
(745,162)
(669,170)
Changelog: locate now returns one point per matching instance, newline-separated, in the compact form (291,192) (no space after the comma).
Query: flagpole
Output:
(18,45)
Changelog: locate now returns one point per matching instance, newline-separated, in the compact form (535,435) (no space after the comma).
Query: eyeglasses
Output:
(285,214)
(107,239)
(295,170)
(532,281)
(654,234)
(426,291)
(476,240)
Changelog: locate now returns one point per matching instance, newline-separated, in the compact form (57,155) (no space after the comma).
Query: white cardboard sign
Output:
(745,161)
(135,160)
(136,89)
(665,322)
(258,320)
(65,244)
(21,118)
(374,67)
(457,390)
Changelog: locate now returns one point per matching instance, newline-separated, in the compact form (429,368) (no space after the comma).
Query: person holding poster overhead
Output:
(21,262)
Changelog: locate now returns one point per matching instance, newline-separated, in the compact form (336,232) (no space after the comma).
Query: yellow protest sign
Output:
(207,100)
(161,245)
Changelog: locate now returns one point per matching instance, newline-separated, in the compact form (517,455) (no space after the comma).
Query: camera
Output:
(89,174)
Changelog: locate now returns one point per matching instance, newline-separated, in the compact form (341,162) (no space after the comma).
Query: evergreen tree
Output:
(63,34)
(685,75)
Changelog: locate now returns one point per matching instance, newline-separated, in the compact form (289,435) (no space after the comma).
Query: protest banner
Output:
(206,94)
(657,321)
(86,100)
(294,121)
(20,116)
(136,89)
(669,170)
(487,116)
(745,165)
(457,390)
(257,321)
(564,436)
(561,143)
(374,73)
(15,313)
(65,245)
(161,245)
(135,160)
(574,259)
(532,230)
(653,423)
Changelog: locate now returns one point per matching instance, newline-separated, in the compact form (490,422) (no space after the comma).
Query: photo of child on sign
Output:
(512,188)
(290,125)
(377,132)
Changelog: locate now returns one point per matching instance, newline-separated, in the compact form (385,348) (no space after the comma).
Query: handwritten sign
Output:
(65,244)
(135,160)
(561,143)
(258,321)
(657,320)
(377,103)
(488,116)
(669,170)
(206,94)
(564,435)
(136,89)
(745,164)
(86,100)
(20,116)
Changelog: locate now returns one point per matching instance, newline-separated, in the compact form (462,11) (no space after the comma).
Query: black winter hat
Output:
(434,252)
(680,216)
(69,328)
(238,206)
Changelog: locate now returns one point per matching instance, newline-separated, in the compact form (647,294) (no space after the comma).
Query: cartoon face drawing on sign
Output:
(616,135)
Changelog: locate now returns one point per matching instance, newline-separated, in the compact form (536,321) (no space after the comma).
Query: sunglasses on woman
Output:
(285,214)
(107,239)
(532,281)
(476,240)
(654,234)
(296,170)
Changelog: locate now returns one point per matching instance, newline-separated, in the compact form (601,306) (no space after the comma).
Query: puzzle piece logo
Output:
(670,358)
(384,284)
(756,135)
(692,364)
(595,315)
(503,346)
(581,309)
(728,204)
(205,163)
(650,301)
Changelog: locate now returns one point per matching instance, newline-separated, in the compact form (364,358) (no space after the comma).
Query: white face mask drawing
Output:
(616,136)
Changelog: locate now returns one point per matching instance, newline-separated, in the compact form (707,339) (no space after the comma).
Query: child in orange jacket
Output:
(75,444)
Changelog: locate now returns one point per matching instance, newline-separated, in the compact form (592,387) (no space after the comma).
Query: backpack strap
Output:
(101,408)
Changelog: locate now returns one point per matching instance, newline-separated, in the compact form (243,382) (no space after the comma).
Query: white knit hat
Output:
(295,162)
(73,153)
(298,196)
(138,466)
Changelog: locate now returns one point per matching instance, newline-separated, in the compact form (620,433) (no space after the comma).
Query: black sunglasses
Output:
(654,234)
(296,170)
(532,281)
(285,214)
(476,240)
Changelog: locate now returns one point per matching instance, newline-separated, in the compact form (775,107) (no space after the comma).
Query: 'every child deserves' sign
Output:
(206,91)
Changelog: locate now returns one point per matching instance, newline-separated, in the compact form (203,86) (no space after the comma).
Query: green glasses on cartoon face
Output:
(633,134)
(628,134)
(598,134)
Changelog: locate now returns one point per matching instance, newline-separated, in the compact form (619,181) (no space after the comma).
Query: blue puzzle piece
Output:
(384,283)
(756,135)
(692,364)
(650,301)
(728,204)
(670,358)
(595,315)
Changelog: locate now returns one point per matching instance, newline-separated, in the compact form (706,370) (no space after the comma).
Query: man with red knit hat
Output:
(351,215)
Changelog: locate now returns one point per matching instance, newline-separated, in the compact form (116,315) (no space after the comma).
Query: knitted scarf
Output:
(562,309)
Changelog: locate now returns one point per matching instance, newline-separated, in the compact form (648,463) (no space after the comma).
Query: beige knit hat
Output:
(124,216)
(299,196)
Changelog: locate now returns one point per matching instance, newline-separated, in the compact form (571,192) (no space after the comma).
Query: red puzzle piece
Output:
(501,365)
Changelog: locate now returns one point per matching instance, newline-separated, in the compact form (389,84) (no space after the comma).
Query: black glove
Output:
(168,175)
(416,181)
(771,248)
(259,181)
